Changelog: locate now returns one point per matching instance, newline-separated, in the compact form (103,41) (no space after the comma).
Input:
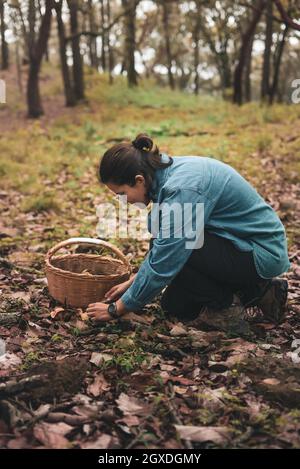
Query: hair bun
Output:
(143,142)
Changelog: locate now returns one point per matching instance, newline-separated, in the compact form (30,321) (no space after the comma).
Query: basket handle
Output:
(90,241)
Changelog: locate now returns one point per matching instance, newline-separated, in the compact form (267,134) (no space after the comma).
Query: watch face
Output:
(112,309)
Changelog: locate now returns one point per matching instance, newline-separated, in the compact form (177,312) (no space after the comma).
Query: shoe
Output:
(230,320)
(274,300)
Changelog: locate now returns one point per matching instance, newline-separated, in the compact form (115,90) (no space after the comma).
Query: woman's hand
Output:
(117,291)
(98,311)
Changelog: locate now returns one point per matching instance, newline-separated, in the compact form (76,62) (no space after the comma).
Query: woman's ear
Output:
(139,179)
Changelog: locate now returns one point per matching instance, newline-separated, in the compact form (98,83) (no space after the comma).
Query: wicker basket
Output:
(79,279)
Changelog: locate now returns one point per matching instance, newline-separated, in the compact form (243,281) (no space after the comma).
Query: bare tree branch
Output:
(285,17)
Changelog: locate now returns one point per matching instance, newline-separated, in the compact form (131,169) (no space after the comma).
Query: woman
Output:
(244,240)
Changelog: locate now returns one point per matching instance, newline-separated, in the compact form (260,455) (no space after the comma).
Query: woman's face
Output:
(135,194)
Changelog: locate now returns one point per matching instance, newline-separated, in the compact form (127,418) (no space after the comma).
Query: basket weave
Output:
(79,279)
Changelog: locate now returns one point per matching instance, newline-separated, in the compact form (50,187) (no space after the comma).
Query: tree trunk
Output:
(246,39)
(103,35)
(265,83)
(47,49)
(129,26)
(277,64)
(19,69)
(225,71)
(196,53)
(165,7)
(248,68)
(92,39)
(77,59)
(36,53)
(15,25)
(109,49)
(31,23)
(4,46)
(68,89)
(25,58)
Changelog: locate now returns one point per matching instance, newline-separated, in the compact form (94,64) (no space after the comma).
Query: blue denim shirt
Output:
(233,209)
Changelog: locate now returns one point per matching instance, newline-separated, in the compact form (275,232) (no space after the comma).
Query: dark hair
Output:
(123,161)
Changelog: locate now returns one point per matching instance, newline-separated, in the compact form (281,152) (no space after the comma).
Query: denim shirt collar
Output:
(159,178)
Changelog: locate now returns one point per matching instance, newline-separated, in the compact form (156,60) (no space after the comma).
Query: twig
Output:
(137,437)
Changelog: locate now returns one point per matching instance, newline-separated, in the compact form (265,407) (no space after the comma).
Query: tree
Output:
(266,75)
(129,7)
(196,38)
(78,79)
(277,64)
(36,52)
(68,88)
(166,29)
(285,16)
(219,33)
(106,49)
(4,46)
(92,38)
(248,70)
(247,37)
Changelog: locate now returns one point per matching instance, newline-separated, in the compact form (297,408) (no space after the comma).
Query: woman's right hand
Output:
(117,290)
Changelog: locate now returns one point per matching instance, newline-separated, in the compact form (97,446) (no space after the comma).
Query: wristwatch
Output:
(112,309)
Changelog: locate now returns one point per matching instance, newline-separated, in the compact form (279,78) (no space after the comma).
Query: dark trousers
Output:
(210,277)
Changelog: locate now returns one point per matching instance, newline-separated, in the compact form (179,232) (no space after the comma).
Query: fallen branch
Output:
(73,420)
(14,387)
(9,319)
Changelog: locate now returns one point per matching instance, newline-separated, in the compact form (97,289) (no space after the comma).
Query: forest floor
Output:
(147,381)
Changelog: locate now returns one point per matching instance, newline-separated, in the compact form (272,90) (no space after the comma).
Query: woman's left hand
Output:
(98,312)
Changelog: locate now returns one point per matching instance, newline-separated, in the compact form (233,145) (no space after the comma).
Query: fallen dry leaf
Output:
(98,386)
(97,358)
(102,442)
(83,316)
(130,405)
(218,435)
(271,381)
(178,331)
(56,311)
(9,360)
(52,435)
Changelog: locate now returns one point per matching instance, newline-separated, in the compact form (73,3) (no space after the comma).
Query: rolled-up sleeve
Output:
(170,252)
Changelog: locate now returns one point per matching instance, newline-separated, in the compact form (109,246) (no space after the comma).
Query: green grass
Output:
(53,164)
(179,122)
